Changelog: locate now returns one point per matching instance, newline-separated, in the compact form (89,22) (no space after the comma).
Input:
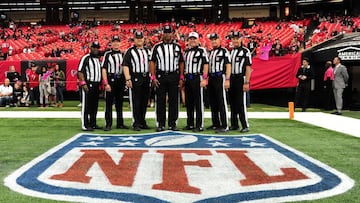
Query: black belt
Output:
(192,75)
(167,72)
(216,74)
(237,75)
(114,75)
(144,75)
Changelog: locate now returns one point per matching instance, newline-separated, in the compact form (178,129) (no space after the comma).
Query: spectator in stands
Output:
(340,82)
(25,99)
(305,74)
(328,89)
(5,49)
(60,84)
(6,91)
(17,93)
(276,49)
(252,45)
(52,93)
(33,80)
(26,50)
(293,46)
(55,52)
(356,29)
(44,87)
(13,75)
(278,26)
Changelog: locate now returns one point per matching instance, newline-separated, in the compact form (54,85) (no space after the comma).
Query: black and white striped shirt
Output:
(240,58)
(112,62)
(167,56)
(90,66)
(195,58)
(218,59)
(137,60)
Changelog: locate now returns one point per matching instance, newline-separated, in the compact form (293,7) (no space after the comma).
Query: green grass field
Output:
(21,140)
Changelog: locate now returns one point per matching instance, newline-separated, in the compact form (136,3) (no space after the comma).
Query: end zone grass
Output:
(21,140)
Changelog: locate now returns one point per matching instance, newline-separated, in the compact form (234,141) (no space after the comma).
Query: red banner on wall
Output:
(277,72)
(71,74)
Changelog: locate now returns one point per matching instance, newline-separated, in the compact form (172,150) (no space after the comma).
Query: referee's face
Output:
(94,50)
(139,42)
(115,45)
(193,42)
(167,37)
(236,41)
(215,42)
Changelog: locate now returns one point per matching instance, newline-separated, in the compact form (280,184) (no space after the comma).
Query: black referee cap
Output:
(167,29)
(139,34)
(115,38)
(213,36)
(235,34)
(95,45)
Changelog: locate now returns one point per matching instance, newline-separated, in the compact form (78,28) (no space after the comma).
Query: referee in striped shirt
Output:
(239,82)
(196,74)
(167,74)
(89,75)
(136,71)
(219,81)
(114,82)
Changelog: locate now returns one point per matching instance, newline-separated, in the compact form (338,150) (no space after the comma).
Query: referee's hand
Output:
(107,88)
(156,83)
(129,83)
(85,88)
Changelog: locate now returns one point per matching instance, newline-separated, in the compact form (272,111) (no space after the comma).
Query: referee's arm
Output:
(104,73)
(82,65)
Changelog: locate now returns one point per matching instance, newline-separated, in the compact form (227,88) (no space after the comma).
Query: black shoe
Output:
(122,127)
(244,130)
(195,130)
(107,128)
(97,127)
(212,127)
(88,129)
(303,110)
(338,113)
(188,127)
(146,127)
(234,128)
(173,128)
(137,128)
(159,129)
(221,130)
(335,112)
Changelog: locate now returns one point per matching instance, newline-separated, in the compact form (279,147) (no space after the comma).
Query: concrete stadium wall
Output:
(35,16)
(249,12)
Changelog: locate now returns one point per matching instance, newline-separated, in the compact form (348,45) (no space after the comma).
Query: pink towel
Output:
(329,73)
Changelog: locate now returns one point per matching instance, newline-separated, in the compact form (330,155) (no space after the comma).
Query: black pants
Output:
(34,95)
(139,95)
(90,103)
(168,87)
(237,99)
(303,94)
(217,99)
(194,99)
(116,94)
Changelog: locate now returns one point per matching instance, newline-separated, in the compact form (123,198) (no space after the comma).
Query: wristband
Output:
(205,76)
(227,79)
(152,77)
(82,83)
(182,77)
(128,80)
(105,82)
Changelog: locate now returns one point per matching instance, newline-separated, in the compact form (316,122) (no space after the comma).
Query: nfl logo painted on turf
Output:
(176,167)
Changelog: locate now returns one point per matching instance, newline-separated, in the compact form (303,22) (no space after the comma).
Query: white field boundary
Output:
(336,123)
